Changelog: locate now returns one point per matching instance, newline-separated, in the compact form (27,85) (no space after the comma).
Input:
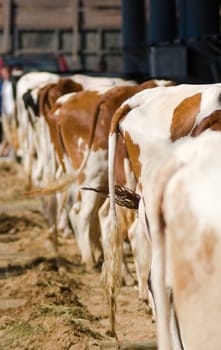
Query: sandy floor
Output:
(41,308)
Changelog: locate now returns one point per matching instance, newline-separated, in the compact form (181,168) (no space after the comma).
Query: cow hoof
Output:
(66,233)
(145,303)
(98,264)
(128,281)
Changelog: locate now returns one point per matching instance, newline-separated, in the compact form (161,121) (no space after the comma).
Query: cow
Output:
(28,86)
(187,230)
(47,98)
(38,153)
(48,166)
(152,122)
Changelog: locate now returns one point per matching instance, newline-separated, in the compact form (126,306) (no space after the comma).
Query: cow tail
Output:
(111,270)
(59,185)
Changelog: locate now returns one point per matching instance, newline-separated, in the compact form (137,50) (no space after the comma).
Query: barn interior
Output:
(146,38)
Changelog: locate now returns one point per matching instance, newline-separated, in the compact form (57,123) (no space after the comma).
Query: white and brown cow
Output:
(84,126)
(29,82)
(152,123)
(188,237)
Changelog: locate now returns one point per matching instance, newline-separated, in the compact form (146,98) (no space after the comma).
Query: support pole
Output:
(134,36)
(198,18)
(6,40)
(162,21)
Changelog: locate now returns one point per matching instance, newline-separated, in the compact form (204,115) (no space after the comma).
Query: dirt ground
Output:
(41,308)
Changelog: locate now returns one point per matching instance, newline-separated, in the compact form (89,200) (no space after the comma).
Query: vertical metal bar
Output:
(57,41)
(133,35)
(75,30)
(162,21)
(102,62)
(17,46)
(99,41)
(7,15)
(181,10)
(202,18)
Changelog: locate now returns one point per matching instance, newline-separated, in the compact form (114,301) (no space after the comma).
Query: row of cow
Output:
(81,136)
(82,153)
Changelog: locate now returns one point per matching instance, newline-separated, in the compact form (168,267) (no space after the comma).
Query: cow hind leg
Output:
(127,277)
(52,220)
(63,223)
(141,248)
(83,218)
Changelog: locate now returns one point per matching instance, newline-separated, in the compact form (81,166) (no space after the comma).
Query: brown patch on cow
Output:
(55,134)
(76,119)
(43,102)
(119,114)
(185,280)
(49,93)
(105,112)
(81,178)
(134,154)
(206,251)
(47,97)
(180,230)
(149,84)
(105,115)
(126,217)
(67,85)
(185,276)
(78,197)
(184,116)
(121,155)
(152,83)
(212,121)
(64,86)
(186,273)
